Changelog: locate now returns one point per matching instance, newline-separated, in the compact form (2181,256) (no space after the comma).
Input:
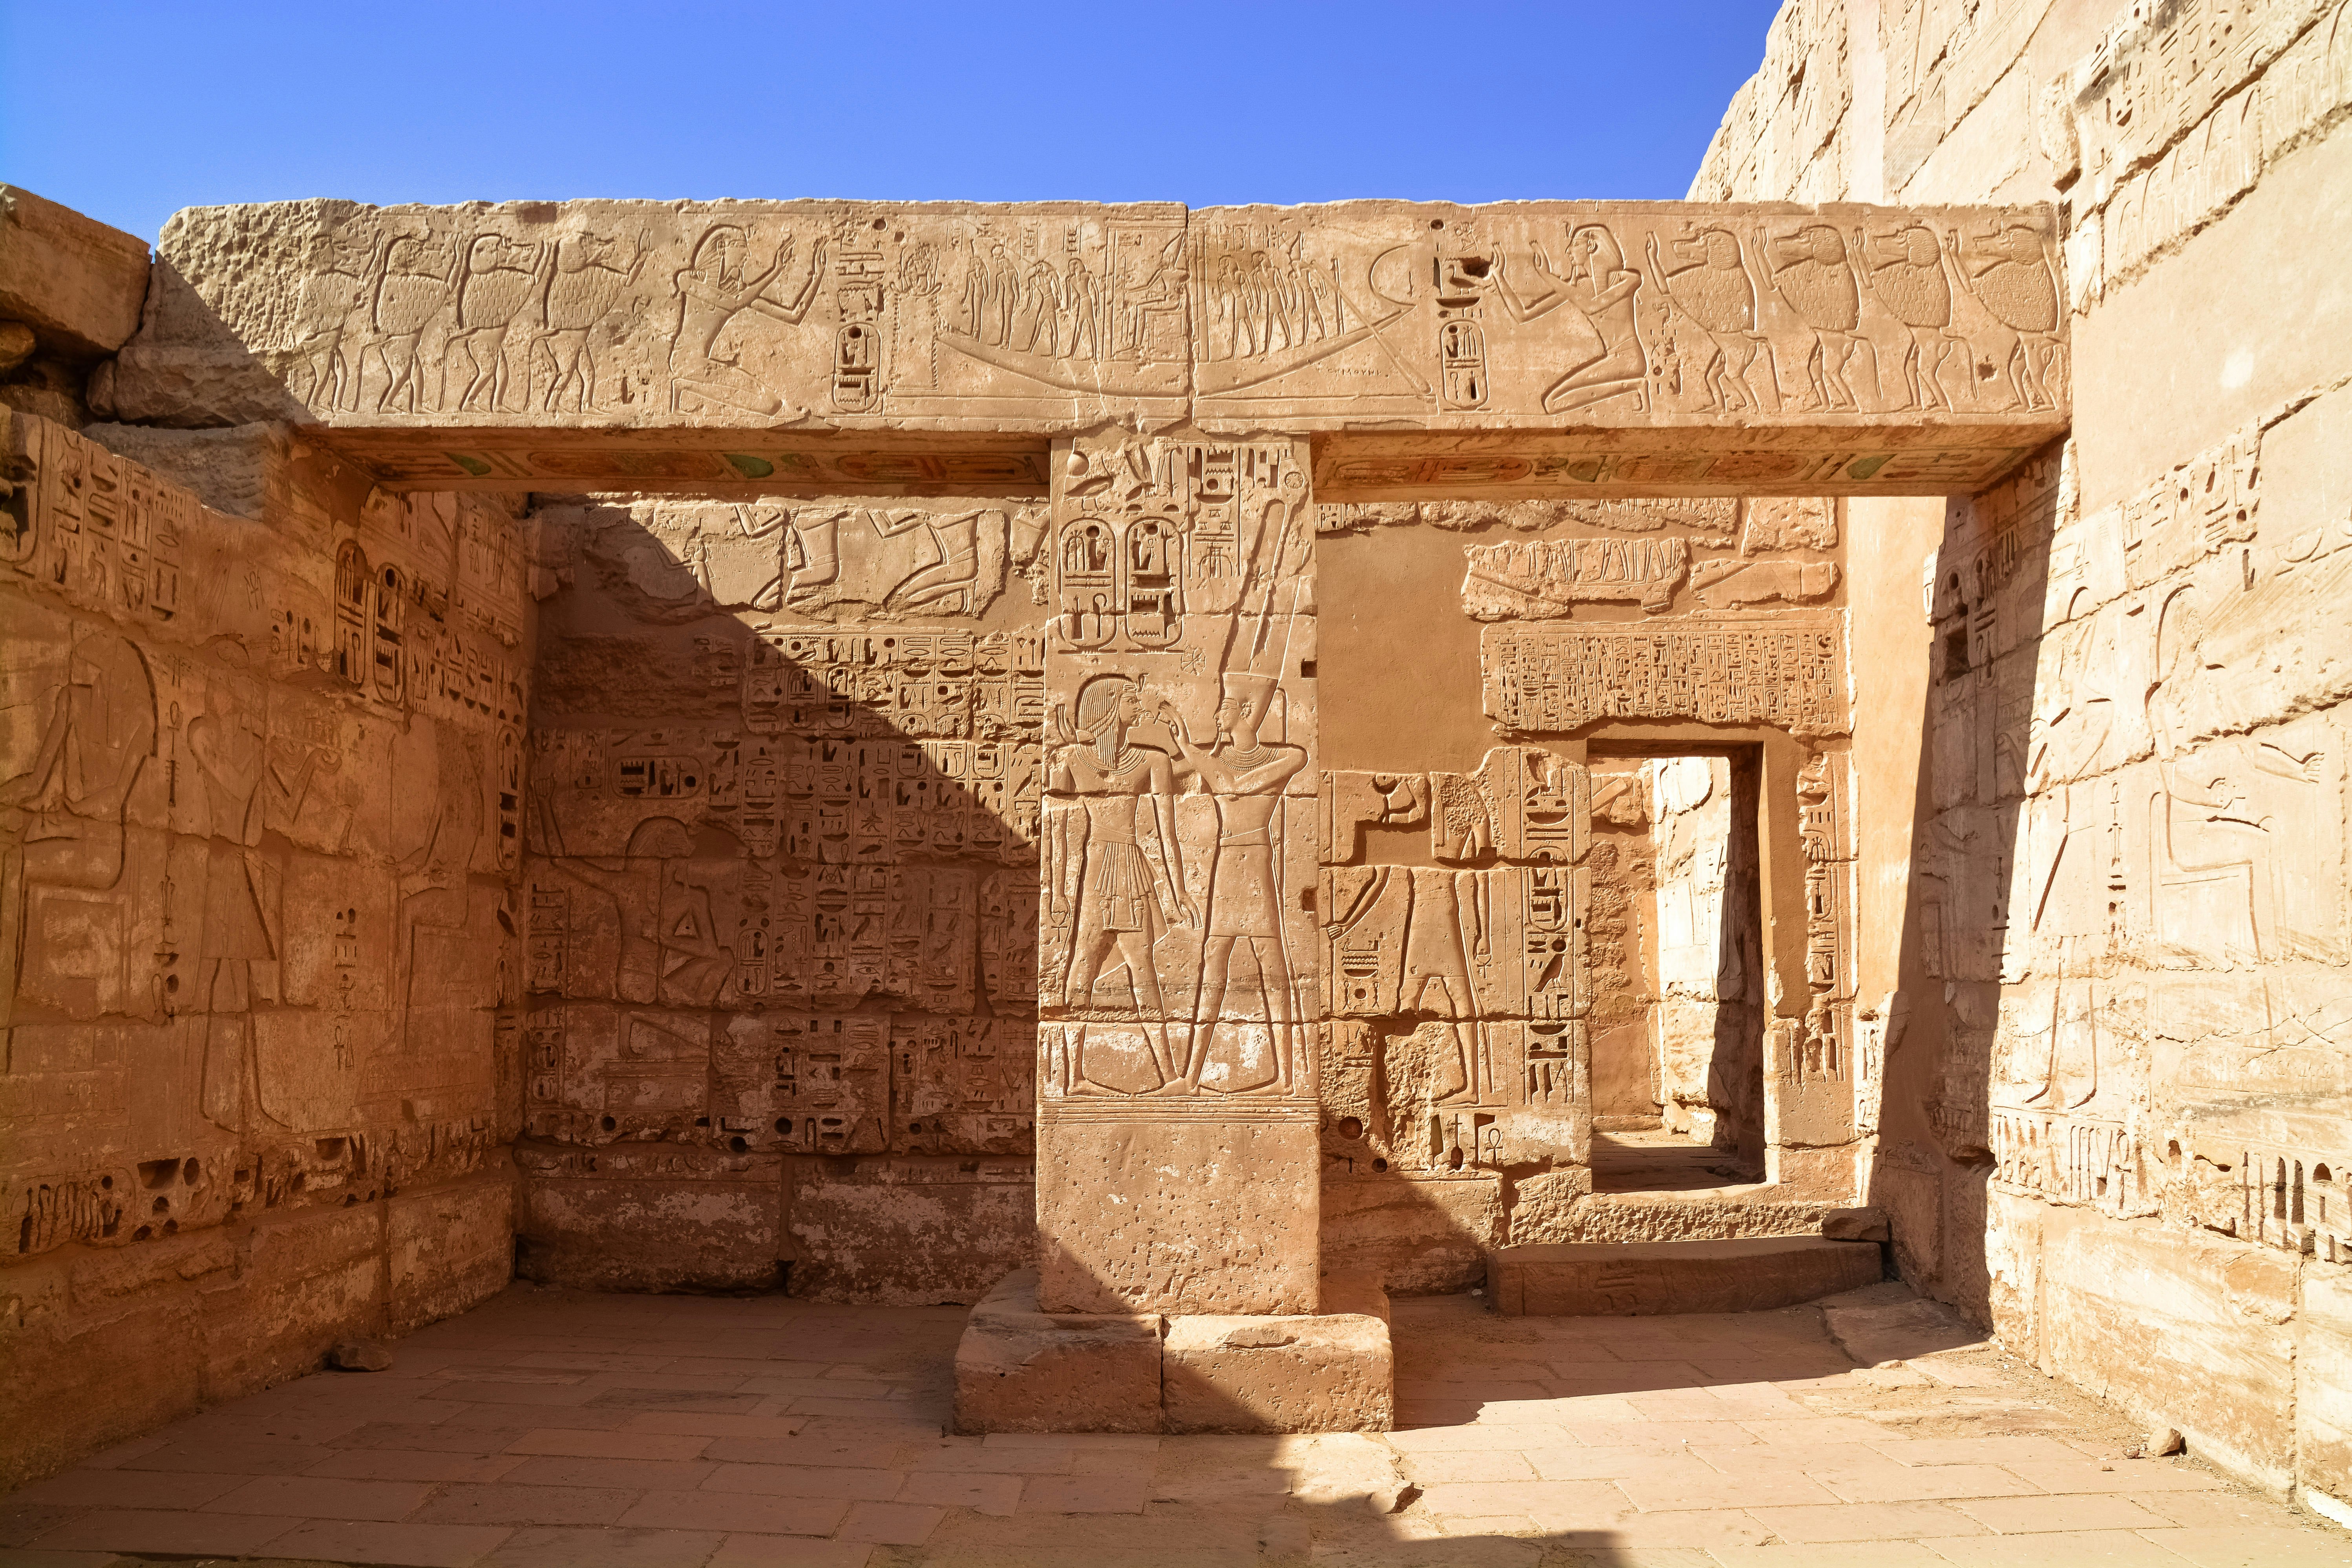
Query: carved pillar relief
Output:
(1178,957)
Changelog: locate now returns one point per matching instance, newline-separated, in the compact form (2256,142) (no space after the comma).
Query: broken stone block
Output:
(17,345)
(1021,1370)
(360,1355)
(241,470)
(1856,1224)
(77,283)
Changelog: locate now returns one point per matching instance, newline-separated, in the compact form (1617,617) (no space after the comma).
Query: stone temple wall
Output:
(2115,1122)
(260,819)
(781,852)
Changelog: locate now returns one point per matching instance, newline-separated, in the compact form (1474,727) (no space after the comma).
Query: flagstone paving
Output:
(558,1429)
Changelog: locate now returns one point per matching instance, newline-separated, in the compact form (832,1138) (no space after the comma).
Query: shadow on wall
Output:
(2124,935)
(782,905)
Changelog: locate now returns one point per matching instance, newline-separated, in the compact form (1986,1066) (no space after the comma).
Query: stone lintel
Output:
(1518,349)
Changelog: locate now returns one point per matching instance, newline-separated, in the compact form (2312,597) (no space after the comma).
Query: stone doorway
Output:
(1678,1026)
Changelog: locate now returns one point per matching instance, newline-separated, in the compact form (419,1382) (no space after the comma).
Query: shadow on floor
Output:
(557,1430)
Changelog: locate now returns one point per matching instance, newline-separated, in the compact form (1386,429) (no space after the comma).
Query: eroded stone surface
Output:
(749,332)
(260,782)
(1020,1369)
(1649,1279)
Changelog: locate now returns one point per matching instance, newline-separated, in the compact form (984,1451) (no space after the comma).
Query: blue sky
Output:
(129,111)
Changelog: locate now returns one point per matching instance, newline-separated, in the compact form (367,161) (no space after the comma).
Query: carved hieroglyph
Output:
(1788,674)
(807,923)
(1178,957)
(738,344)
(260,790)
(2136,875)
(1459,989)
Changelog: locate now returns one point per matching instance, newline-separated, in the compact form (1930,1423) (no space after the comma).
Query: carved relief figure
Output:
(1119,898)
(1809,269)
(1599,287)
(2012,278)
(1905,269)
(582,285)
(1714,292)
(712,290)
(491,296)
(63,816)
(1245,777)
(243,793)
(410,293)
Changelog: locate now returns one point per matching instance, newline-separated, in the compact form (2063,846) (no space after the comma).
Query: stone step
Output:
(1649,1279)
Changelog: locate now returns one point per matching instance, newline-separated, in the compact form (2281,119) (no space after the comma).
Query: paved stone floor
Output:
(1656,1160)
(555,1429)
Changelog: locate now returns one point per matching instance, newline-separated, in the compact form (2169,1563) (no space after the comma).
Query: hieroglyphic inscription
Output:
(1459,990)
(792,929)
(260,797)
(1176,838)
(1790,675)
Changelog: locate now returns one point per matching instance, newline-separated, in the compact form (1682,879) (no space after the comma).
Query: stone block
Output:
(1656,1278)
(449,1246)
(1856,1224)
(1328,1372)
(2176,1327)
(907,1232)
(648,1234)
(1419,1235)
(360,1355)
(1018,1369)
(76,282)
(2323,1385)
(242,470)
(1169,1216)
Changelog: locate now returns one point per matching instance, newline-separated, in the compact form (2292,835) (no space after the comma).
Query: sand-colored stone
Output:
(715,345)
(1018,1369)
(874,748)
(75,283)
(260,929)
(1331,1372)
(2126,890)
(1648,1279)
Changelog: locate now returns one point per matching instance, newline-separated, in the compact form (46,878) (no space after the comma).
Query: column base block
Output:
(1019,1369)
(1328,1372)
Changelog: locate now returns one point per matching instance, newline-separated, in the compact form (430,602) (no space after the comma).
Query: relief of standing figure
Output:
(1245,777)
(1118,896)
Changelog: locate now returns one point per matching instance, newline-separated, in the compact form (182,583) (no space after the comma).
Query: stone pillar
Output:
(1179,993)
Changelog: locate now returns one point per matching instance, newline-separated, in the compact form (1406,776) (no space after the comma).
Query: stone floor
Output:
(1656,1160)
(555,1429)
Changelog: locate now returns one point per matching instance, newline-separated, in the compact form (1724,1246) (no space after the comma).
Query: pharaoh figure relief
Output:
(1180,724)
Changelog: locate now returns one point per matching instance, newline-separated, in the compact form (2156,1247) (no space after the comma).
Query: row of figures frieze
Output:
(755,312)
